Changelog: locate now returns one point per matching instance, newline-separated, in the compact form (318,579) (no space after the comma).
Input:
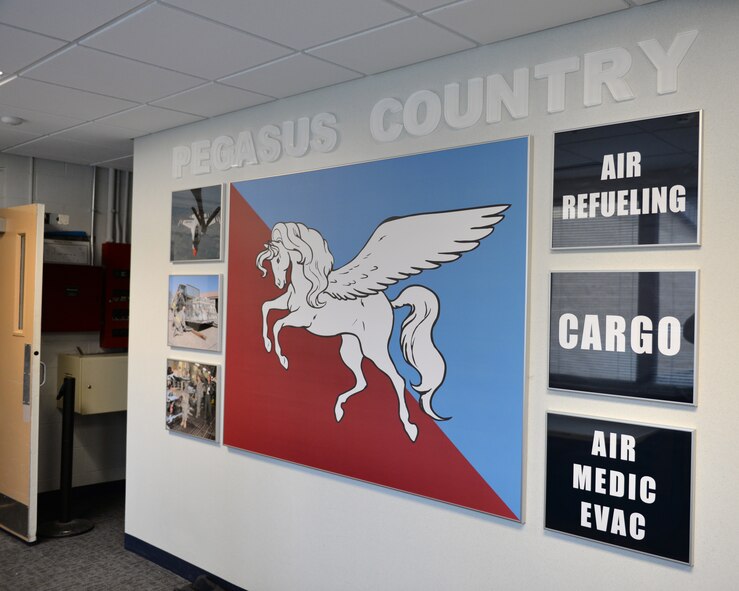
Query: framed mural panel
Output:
(194,317)
(192,398)
(625,484)
(624,333)
(377,322)
(628,184)
(196,225)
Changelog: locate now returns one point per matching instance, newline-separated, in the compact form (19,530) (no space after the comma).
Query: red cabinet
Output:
(117,270)
(71,298)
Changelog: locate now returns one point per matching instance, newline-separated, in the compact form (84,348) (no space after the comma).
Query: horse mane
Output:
(315,256)
(269,252)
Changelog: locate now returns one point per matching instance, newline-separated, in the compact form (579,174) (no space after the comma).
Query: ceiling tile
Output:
(212,99)
(149,119)
(297,23)
(65,20)
(111,75)
(118,163)
(400,44)
(119,138)
(66,150)
(11,136)
(487,22)
(67,102)
(39,123)
(291,75)
(421,5)
(191,44)
(167,52)
(19,49)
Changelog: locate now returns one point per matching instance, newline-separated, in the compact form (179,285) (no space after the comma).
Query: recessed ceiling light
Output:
(11,120)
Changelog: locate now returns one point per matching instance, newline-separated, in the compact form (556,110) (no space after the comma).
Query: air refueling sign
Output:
(624,333)
(624,484)
(628,184)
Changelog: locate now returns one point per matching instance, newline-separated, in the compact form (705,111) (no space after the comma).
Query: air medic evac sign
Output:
(628,184)
(624,484)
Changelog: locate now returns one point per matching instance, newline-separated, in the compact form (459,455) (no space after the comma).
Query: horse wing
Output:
(405,246)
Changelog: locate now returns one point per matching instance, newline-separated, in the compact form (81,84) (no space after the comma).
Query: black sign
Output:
(624,333)
(623,484)
(627,184)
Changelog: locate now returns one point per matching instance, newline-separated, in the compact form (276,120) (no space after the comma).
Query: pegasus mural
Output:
(351,301)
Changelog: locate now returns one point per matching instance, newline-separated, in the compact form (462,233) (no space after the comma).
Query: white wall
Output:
(269,526)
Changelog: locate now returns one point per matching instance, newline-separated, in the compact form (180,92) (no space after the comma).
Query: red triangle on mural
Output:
(289,414)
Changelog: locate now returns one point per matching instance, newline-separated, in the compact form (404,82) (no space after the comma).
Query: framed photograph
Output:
(192,398)
(194,318)
(377,319)
(626,334)
(197,216)
(624,484)
(628,184)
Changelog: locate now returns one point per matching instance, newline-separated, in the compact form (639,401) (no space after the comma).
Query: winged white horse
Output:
(351,301)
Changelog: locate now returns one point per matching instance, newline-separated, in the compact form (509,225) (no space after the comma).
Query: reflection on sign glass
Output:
(627,184)
(623,484)
(624,333)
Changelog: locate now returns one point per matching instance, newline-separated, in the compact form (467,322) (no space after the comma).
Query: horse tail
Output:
(417,343)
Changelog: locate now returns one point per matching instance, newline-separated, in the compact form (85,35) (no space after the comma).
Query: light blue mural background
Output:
(481,327)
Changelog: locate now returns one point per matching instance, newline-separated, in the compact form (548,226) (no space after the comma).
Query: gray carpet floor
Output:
(95,561)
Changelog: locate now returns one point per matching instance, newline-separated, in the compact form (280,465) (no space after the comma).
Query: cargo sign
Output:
(624,333)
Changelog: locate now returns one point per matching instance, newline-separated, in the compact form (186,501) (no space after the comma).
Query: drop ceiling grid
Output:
(98,71)
(20,48)
(485,22)
(212,99)
(192,45)
(291,75)
(67,20)
(298,24)
(111,75)
(61,100)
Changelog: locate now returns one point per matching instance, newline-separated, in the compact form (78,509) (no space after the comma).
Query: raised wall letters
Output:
(292,138)
(605,69)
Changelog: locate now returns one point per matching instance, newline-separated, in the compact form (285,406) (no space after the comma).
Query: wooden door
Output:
(21,253)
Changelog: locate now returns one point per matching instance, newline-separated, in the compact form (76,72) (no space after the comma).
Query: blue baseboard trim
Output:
(172,563)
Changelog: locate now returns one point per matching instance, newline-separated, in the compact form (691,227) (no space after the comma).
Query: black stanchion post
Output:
(65,478)
(65,525)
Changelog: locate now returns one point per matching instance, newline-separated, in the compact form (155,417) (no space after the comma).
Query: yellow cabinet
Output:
(100,381)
